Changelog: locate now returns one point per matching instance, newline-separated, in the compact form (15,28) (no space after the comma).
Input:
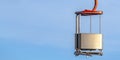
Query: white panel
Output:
(91,41)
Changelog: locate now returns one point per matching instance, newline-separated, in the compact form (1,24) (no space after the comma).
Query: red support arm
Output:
(95,5)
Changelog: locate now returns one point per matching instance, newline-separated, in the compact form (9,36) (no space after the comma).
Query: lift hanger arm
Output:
(95,5)
(88,12)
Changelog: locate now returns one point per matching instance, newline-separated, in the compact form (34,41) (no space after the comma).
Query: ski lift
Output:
(88,43)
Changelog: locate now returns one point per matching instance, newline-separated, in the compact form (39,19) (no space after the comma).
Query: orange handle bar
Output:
(95,5)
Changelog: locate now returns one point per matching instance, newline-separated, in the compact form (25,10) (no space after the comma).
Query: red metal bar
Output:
(94,11)
(95,5)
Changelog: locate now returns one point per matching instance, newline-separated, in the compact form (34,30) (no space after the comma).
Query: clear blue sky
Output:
(44,29)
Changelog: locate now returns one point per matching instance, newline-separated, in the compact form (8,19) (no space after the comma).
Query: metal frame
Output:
(87,52)
(78,20)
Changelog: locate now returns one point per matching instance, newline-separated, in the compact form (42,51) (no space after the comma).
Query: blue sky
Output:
(44,29)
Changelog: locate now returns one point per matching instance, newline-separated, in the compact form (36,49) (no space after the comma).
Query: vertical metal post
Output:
(99,23)
(90,24)
(78,23)
(77,37)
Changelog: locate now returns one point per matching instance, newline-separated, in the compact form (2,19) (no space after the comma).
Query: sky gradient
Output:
(44,29)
